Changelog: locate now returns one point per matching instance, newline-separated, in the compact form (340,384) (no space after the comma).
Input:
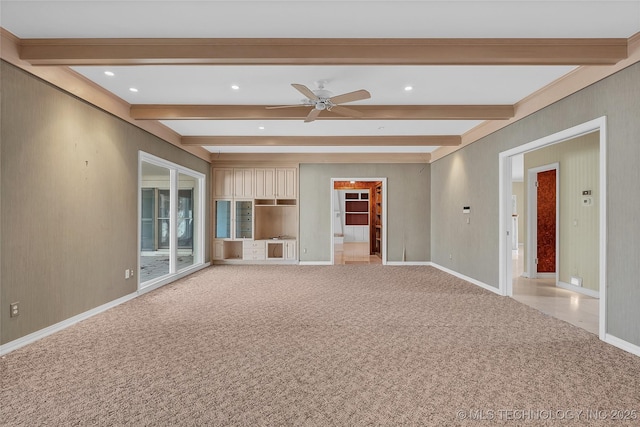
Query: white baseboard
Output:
(622,344)
(545,275)
(315,263)
(427,263)
(468,279)
(28,339)
(578,289)
(35,336)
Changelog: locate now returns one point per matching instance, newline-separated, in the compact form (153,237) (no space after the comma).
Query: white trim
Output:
(383,243)
(468,279)
(504,158)
(622,344)
(547,275)
(49,330)
(401,263)
(315,263)
(578,289)
(602,262)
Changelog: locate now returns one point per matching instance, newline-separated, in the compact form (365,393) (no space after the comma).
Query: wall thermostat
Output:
(466,209)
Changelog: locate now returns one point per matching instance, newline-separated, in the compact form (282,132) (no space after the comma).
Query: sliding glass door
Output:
(171,219)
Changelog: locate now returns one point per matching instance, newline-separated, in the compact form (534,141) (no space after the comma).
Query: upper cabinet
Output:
(286,183)
(256,183)
(265,179)
(243,183)
(223,182)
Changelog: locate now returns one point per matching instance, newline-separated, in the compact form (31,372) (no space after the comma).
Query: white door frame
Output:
(505,191)
(532,221)
(383,237)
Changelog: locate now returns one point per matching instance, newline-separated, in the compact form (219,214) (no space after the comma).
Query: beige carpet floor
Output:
(344,345)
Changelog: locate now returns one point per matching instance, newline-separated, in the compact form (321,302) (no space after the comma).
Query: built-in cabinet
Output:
(255,214)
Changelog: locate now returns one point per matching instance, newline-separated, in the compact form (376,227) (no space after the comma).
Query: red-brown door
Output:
(546,221)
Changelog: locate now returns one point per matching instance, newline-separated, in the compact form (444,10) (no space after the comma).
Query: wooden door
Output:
(546,224)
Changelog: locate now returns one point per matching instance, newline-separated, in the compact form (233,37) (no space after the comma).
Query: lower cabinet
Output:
(267,251)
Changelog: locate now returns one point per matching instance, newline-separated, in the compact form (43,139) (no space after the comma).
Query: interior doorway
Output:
(580,228)
(358,221)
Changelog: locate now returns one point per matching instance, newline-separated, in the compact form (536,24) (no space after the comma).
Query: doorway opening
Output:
(358,221)
(569,283)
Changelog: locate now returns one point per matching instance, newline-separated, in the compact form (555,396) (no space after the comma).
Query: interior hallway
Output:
(542,294)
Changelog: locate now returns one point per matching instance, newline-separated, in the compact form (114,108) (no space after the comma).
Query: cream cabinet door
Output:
(286,182)
(290,250)
(218,249)
(265,183)
(223,182)
(243,183)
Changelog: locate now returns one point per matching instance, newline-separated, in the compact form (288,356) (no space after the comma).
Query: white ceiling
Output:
(270,85)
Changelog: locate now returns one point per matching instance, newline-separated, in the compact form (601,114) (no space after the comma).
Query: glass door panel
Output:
(223,219)
(148,233)
(244,219)
(185,221)
(164,215)
(154,225)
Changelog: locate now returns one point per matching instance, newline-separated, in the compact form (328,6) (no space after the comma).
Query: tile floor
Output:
(542,294)
(354,253)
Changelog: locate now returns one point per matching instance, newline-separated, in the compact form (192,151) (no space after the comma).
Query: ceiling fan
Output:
(322,99)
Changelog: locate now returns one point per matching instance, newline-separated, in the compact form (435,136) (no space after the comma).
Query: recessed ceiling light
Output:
(109,73)
(352,182)
(380,127)
(133,89)
(261,127)
(235,87)
(408,88)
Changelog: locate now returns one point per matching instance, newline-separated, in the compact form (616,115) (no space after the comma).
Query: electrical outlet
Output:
(450,256)
(14,309)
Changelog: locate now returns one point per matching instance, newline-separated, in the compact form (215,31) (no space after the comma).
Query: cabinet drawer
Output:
(254,251)
(253,244)
(254,254)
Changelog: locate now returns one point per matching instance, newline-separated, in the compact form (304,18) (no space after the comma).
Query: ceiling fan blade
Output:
(350,97)
(344,111)
(312,115)
(305,91)
(283,106)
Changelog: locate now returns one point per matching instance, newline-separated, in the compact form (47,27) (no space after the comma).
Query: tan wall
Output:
(69,209)
(470,175)
(578,225)
(408,194)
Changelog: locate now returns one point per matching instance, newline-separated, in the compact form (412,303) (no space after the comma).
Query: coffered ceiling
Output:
(207,70)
